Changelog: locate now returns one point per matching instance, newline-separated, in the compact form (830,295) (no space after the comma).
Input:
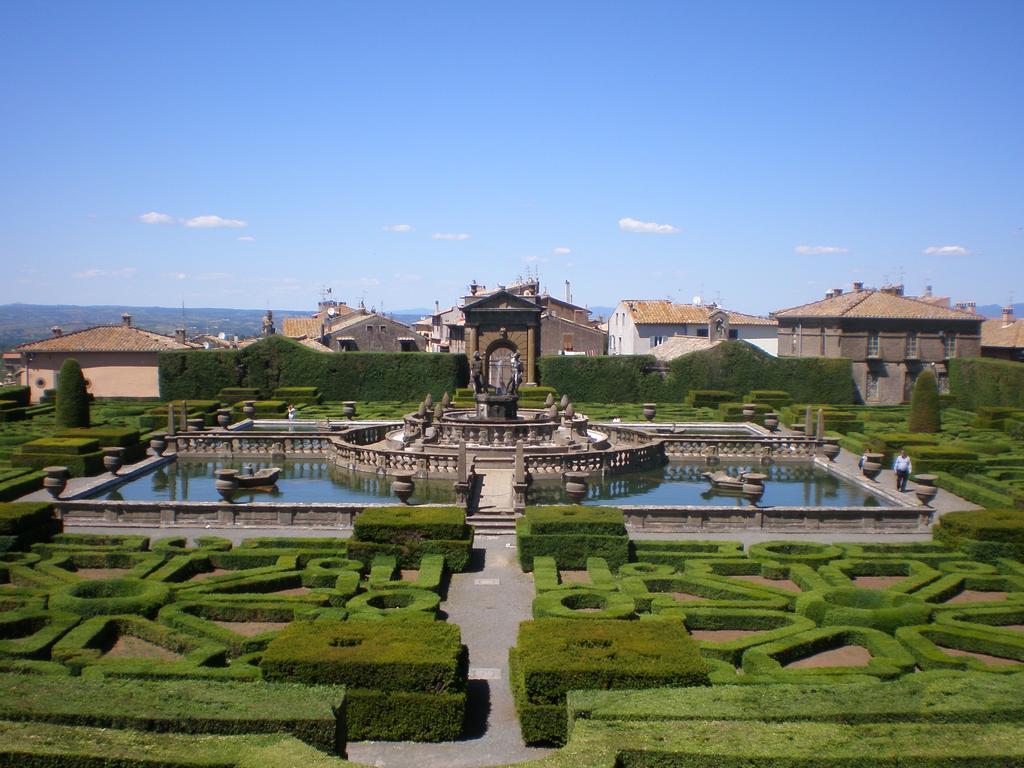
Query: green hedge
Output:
(26,523)
(927,697)
(849,606)
(405,680)
(709,398)
(925,415)
(19,394)
(277,362)
(72,406)
(401,525)
(62,446)
(1005,526)
(586,604)
(732,366)
(889,659)
(576,519)
(44,745)
(110,596)
(554,656)
(978,382)
(314,714)
(570,550)
(298,395)
(928,643)
(28,633)
(941,458)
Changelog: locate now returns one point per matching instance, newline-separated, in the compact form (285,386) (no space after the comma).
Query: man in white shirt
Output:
(902,468)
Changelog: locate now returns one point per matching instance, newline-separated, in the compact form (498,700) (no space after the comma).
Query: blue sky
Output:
(751,151)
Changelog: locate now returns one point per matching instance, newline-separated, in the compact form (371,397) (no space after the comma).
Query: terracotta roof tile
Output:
(296,327)
(106,338)
(677,346)
(661,312)
(876,304)
(996,333)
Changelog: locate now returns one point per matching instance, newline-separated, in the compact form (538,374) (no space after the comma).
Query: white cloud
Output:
(156,218)
(124,272)
(946,250)
(174,276)
(369,282)
(398,228)
(405,277)
(89,274)
(207,276)
(646,227)
(815,250)
(246,238)
(450,236)
(561,251)
(211,221)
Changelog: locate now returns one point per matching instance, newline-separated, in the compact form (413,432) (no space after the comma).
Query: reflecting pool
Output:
(300,482)
(680,483)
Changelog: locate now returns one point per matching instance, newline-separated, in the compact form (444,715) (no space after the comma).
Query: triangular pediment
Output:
(501,300)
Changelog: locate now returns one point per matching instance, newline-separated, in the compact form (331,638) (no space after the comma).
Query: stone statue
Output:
(476,375)
(517,375)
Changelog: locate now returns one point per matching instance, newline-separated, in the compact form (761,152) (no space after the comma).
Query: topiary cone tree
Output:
(924,404)
(72,407)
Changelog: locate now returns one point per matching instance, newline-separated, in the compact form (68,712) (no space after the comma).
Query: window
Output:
(657,341)
(733,333)
(908,385)
(871,388)
(703,332)
(873,344)
(821,344)
(567,344)
(943,382)
(383,329)
(949,345)
(369,329)
(611,343)
(794,342)
(912,345)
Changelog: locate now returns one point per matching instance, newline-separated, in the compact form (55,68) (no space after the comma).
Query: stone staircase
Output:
(493,524)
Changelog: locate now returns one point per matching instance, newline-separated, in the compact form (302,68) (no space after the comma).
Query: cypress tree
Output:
(924,404)
(72,407)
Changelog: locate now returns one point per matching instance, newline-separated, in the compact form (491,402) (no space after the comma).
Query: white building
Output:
(638,326)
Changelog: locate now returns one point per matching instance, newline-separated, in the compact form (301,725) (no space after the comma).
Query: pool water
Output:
(303,482)
(681,484)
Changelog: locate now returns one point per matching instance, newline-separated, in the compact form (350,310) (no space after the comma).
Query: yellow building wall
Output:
(110,374)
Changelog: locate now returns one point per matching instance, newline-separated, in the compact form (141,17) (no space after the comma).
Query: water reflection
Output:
(677,483)
(299,482)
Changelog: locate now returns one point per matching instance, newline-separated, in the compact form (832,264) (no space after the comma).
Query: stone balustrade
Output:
(102,512)
(248,445)
(710,520)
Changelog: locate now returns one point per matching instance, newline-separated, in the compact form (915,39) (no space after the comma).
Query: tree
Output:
(924,404)
(72,408)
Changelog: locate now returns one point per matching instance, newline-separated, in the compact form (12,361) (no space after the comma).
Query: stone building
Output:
(340,328)
(889,337)
(116,360)
(565,327)
(639,326)
(1003,338)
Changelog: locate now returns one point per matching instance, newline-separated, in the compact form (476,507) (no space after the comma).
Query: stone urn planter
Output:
(924,488)
(873,466)
(223,417)
(56,480)
(113,458)
(830,450)
(227,483)
(348,409)
(753,485)
(196,425)
(158,445)
(798,429)
(749,411)
(403,486)
(650,411)
(575,486)
(249,408)
(771,421)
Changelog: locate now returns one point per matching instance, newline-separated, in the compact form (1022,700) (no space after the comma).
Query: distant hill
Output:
(996,310)
(27,322)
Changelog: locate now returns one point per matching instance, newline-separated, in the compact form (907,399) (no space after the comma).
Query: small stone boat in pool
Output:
(746,484)
(265,479)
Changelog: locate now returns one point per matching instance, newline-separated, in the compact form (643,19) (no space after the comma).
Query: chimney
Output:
(568,293)
(126,320)
(928,291)
(1007,315)
(972,307)
(56,330)
(858,286)
(437,307)
(837,291)
(830,293)
(179,335)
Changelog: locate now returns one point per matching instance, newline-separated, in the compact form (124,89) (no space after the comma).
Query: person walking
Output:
(902,467)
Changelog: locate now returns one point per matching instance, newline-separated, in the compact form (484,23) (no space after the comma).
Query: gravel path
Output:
(488,603)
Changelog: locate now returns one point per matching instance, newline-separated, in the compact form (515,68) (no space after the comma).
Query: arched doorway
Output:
(498,364)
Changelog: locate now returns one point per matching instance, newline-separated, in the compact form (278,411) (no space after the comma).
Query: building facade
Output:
(889,337)
(638,326)
(1003,338)
(116,360)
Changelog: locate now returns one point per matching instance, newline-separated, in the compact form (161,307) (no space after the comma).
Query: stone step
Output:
(493,523)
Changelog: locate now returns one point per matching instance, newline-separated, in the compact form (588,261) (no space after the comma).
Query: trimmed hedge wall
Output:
(554,656)
(399,525)
(277,362)
(733,366)
(314,714)
(977,382)
(405,680)
(72,407)
(25,523)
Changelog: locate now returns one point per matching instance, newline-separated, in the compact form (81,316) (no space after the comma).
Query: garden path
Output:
(487,603)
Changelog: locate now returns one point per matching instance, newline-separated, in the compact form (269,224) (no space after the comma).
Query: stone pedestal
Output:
(497,407)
